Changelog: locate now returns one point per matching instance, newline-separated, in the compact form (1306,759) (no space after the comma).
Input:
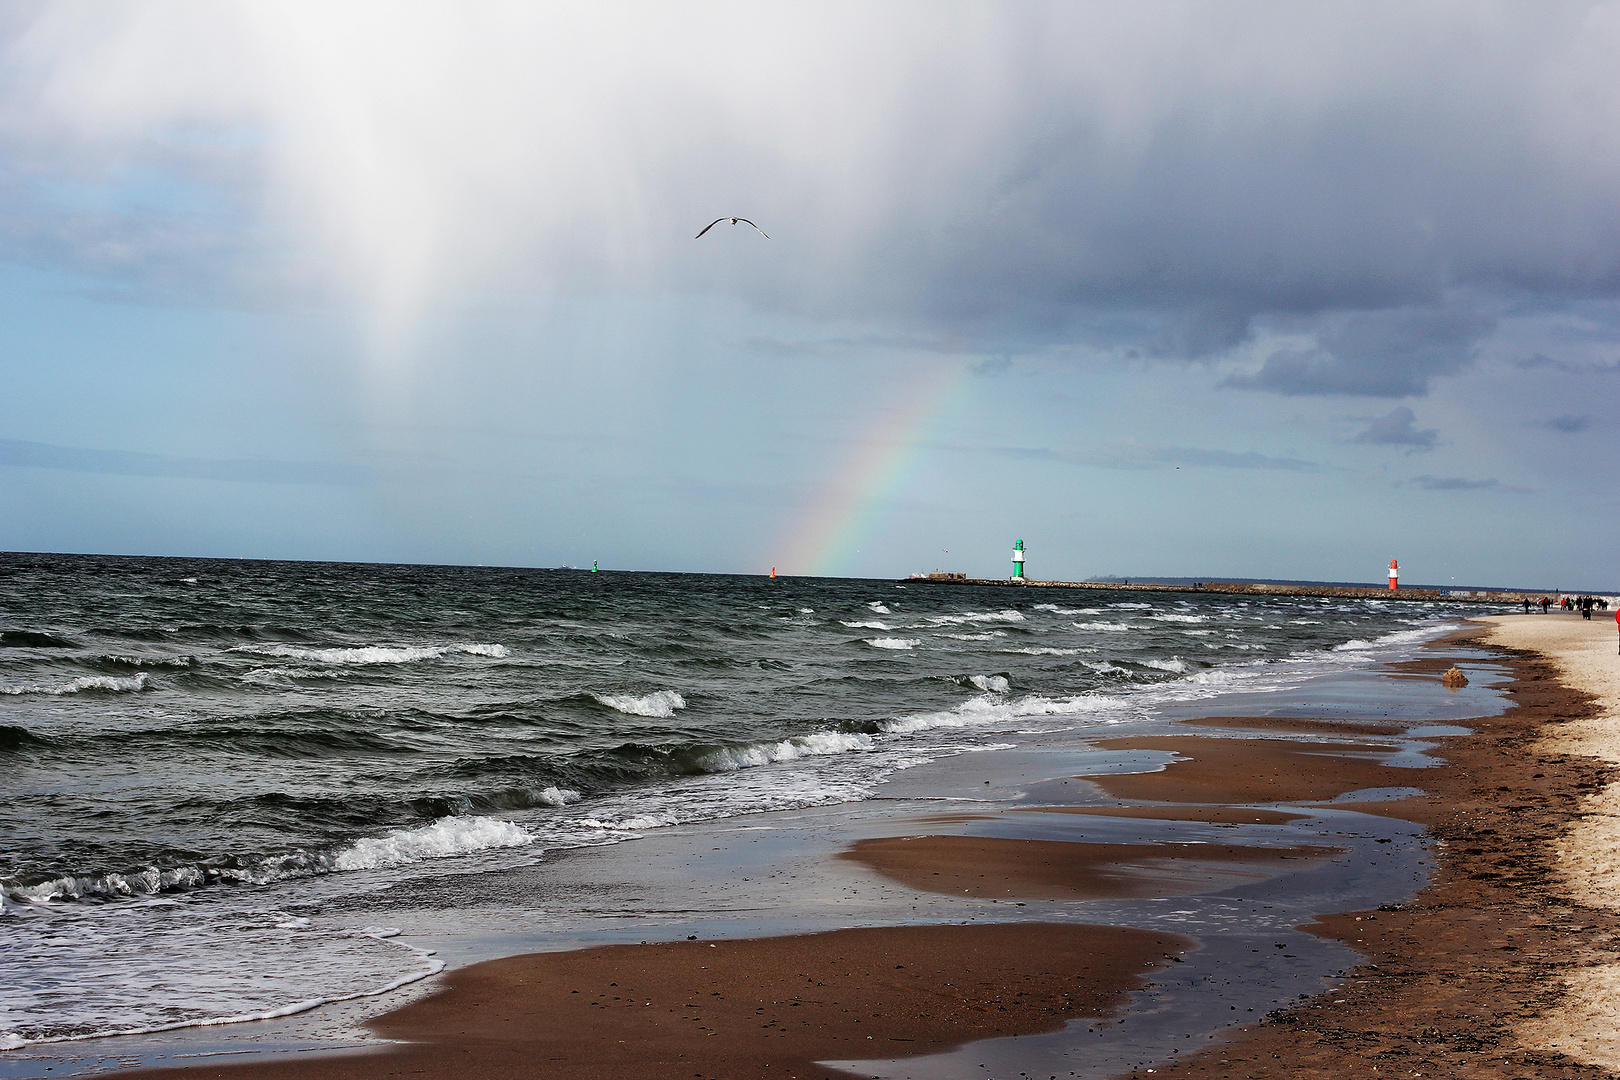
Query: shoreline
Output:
(1504,965)
(1065,848)
(1320,756)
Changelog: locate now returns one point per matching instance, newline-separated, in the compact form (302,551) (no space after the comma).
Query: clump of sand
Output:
(1587,656)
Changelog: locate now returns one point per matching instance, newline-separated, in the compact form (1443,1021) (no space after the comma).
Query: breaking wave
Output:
(660,703)
(442,839)
(106,683)
(373,654)
(893,642)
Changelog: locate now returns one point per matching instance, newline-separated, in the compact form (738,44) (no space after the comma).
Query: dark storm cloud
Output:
(35,455)
(1398,427)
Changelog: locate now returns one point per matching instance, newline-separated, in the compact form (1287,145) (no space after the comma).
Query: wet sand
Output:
(1071,870)
(1229,769)
(741,1010)
(1497,969)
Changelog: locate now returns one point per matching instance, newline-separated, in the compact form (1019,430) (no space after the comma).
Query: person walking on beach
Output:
(1544,603)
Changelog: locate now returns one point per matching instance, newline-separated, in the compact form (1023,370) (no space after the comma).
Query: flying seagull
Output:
(734,221)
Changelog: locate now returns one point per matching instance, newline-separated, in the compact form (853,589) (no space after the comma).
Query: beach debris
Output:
(1454,677)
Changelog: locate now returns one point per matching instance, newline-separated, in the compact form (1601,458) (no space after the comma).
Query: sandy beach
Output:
(1497,967)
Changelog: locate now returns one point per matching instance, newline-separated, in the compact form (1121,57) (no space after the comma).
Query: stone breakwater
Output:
(1369,592)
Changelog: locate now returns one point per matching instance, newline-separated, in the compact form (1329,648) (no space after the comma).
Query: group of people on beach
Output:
(1582,604)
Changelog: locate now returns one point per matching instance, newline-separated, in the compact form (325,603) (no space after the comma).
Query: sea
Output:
(202,760)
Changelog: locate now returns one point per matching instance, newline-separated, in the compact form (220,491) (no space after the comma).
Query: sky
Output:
(1223,289)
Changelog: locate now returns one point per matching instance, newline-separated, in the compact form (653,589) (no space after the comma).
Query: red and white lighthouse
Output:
(1394,575)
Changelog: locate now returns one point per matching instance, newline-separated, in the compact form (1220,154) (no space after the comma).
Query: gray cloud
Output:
(1458,483)
(1542,361)
(1137,456)
(35,455)
(1398,427)
(1162,178)
(1377,354)
(1569,424)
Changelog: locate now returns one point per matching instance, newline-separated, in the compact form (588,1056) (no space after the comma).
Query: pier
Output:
(1243,588)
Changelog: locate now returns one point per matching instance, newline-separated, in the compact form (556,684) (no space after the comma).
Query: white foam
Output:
(110,683)
(818,744)
(992,684)
(660,703)
(1168,617)
(872,624)
(259,674)
(879,607)
(443,838)
(1175,664)
(893,643)
(1045,650)
(556,796)
(1056,610)
(148,661)
(1133,607)
(990,710)
(1111,627)
(639,823)
(977,617)
(373,654)
(988,635)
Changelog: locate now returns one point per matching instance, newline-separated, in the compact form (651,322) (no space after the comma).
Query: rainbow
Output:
(826,535)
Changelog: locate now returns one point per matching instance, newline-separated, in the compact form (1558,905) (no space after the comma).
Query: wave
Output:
(879,607)
(441,839)
(15,738)
(987,709)
(1112,627)
(428,965)
(660,703)
(638,823)
(1045,650)
(1168,617)
(1056,610)
(872,624)
(373,654)
(893,642)
(126,660)
(751,755)
(1396,637)
(988,635)
(446,837)
(990,684)
(106,683)
(1175,664)
(33,639)
(977,617)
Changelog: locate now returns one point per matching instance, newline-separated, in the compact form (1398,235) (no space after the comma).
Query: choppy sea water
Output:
(194,752)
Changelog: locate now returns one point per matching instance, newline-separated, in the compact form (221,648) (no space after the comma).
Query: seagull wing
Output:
(709,226)
(757,229)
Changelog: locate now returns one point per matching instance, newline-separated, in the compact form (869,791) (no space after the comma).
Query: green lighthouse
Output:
(1018,561)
